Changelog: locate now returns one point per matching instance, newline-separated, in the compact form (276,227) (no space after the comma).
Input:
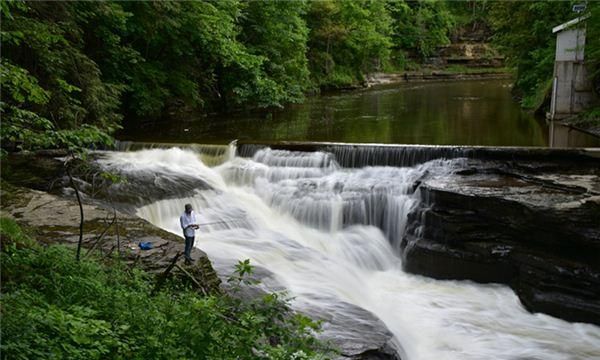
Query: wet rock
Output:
(55,219)
(45,171)
(38,171)
(357,333)
(536,231)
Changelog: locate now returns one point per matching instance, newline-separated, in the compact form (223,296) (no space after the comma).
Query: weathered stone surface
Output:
(55,219)
(535,230)
(45,172)
(357,333)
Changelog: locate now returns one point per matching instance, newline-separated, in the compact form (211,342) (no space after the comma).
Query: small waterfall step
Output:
(359,155)
(210,154)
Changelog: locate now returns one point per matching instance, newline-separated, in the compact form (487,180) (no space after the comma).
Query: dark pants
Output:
(189,244)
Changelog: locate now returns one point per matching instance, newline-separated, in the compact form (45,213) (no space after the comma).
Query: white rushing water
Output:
(325,233)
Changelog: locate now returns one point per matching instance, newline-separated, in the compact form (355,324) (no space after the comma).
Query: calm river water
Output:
(479,112)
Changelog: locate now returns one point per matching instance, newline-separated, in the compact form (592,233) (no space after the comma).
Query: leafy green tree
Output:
(592,48)
(277,32)
(347,40)
(523,31)
(183,46)
(53,93)
(419,27)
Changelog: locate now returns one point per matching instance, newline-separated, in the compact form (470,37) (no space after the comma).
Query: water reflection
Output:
(447,113)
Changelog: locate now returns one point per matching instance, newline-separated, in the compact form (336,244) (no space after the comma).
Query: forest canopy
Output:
(76,70)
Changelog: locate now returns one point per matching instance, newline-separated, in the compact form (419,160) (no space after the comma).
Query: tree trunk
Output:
(81,218)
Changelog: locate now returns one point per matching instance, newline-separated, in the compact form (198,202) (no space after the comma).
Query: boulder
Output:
(355,332)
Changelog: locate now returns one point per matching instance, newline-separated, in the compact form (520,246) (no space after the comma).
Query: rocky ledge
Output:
(55,220)
(534,227)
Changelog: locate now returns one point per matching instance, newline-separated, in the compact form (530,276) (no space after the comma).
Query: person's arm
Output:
(194,221)
(184,223)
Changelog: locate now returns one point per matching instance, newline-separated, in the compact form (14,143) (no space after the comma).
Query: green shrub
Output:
(11,235)
(54,307)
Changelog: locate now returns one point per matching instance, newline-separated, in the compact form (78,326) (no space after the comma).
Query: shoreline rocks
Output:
(55,220)
(536,232)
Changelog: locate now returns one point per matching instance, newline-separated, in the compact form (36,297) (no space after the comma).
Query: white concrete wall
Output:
(570,45)
(573,87)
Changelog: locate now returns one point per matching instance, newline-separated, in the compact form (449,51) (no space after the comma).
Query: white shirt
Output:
(187,220)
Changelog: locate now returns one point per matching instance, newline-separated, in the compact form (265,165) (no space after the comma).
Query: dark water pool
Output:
(478,112)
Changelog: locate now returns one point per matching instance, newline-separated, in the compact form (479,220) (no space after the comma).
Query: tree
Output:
(348,39)
(419,27)
(277,32)
(592,49)
(523,31)
(52,85)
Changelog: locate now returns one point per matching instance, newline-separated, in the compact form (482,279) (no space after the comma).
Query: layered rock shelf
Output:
(535,227)
(55,220)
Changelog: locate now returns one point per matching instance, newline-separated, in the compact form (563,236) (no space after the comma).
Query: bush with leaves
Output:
(420,27)
(523,31)
(54,307)
(348,39)
(49,83)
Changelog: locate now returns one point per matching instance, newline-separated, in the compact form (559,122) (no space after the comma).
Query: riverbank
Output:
(107,233)
(104,307)
(443,74)
(53,219)
(119,301)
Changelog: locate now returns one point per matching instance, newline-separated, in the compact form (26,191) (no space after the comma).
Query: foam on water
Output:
(327,234)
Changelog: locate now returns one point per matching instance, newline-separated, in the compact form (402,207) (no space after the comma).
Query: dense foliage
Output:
(73,69)
(52,91)
(77,69)
(54,307)
(592,49)
(523,30)
(420,26)
(348,39)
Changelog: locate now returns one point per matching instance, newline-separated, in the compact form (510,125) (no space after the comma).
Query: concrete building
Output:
(572,89)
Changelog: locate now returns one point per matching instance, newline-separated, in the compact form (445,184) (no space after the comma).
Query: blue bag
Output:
(146,245)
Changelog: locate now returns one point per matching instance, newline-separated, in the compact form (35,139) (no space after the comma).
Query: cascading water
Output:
(327,234)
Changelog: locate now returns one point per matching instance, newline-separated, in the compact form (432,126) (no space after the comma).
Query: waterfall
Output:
(328,233)
(210,155)
(360,155)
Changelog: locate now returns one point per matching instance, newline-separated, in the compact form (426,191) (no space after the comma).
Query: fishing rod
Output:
(217,222)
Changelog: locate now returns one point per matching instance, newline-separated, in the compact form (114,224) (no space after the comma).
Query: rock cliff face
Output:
(534,227)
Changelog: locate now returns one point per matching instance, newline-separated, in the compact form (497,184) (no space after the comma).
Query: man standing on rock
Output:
(189,226)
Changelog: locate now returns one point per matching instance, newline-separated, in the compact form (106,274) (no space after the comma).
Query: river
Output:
(328,235)
(473,112)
